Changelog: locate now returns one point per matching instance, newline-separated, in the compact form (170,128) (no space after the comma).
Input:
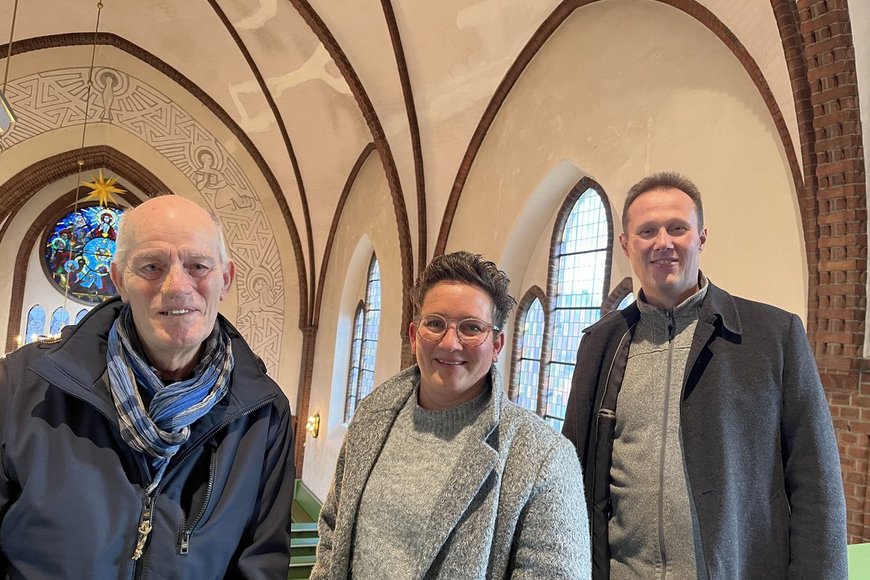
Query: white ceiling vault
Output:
(306,85)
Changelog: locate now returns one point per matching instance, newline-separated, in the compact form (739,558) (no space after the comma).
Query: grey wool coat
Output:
(514,507)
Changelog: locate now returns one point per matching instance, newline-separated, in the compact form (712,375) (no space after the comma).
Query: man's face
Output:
(664,243)
(173,280)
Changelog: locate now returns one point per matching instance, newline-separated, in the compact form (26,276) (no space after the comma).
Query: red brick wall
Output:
(835,199)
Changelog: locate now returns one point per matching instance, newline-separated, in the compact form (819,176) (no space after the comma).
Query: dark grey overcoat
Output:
(759,445)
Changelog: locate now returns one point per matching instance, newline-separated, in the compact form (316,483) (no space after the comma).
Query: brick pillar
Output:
(838,305)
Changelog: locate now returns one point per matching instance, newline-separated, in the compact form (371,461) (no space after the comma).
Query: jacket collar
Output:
(718,306)
(366,437)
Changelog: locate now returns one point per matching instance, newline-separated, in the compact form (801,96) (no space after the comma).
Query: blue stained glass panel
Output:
(532,330)
(581,271)
(78,251)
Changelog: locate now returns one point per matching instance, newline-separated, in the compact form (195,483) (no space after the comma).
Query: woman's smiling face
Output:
(452,373)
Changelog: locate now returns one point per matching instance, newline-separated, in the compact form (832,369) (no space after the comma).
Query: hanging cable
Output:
(87,105)
(9,47)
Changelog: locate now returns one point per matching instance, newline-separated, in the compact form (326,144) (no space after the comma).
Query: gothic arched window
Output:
(364,346)
(577,283)
(35,323)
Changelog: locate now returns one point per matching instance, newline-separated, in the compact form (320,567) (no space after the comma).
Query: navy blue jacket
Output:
(758,442)
(72,491)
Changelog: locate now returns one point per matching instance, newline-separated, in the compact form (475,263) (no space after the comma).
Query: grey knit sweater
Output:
(653,533)
(512,506)
(401,494)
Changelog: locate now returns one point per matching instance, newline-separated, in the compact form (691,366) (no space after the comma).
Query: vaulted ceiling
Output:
(310,87)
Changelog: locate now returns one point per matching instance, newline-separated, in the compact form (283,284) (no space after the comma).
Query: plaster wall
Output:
(618,100)
(859,13)
(367,224)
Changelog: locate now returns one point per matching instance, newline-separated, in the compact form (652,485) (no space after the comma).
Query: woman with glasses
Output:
(440,475)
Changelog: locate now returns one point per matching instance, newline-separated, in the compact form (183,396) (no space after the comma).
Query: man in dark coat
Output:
(700,420)
(147,442)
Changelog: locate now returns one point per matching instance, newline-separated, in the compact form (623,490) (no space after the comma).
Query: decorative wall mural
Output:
(78,251)
(53,100)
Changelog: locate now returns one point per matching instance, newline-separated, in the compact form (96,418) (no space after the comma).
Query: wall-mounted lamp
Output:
(312,425)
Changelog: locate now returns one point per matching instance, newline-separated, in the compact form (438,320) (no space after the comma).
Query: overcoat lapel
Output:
(476,462)
(370,431)
(478,459)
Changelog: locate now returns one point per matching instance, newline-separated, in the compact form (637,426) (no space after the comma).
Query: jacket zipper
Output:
(184,537)
(139,570)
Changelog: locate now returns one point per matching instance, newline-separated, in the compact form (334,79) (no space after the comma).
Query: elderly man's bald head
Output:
(156,205)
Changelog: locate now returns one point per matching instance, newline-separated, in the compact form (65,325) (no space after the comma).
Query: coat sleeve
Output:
(552,537)
(577,410)
(267,552)
(326,522)
(6,483)
(811,461)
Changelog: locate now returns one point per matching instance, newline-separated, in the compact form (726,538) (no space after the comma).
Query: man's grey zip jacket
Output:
(759,445)
(72,493)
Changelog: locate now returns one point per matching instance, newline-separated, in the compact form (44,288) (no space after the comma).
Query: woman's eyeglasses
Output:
(469,331)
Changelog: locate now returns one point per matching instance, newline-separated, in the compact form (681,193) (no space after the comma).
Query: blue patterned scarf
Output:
(164,427)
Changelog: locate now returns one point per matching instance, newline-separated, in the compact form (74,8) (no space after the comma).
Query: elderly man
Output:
(148,441)
(701,421)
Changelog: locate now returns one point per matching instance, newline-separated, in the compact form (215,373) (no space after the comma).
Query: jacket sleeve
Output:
(6,484)
(576,422)
(267,554)
(811,462)
(552,538)
(326,522)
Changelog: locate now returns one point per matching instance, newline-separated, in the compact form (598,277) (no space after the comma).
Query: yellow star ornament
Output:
(102,190)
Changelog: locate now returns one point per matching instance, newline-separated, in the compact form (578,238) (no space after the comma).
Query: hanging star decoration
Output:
(102,190)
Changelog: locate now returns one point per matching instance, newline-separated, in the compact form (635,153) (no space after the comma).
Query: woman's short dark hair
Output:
(467,268)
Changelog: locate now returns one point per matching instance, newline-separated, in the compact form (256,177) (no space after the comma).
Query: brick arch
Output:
(817,41)
(623,289)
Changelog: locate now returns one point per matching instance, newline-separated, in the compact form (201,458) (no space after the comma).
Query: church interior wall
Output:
(607,96)
(619,107)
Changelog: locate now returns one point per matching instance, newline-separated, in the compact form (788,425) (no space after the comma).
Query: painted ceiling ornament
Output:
(102,190)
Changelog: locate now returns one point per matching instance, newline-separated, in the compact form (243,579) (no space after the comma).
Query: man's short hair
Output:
(467,268)
(122,241)
(663,180)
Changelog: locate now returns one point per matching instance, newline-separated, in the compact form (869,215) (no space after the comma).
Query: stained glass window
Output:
(353,373)
(531,330)
(580,275)
(361,374)
(78,250)
(35,323)
(372,325)
(59,319)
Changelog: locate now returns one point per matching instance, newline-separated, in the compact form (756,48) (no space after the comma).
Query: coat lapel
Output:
(478,459)
(365,439)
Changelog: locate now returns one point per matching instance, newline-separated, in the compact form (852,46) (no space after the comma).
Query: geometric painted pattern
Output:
(54,99)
